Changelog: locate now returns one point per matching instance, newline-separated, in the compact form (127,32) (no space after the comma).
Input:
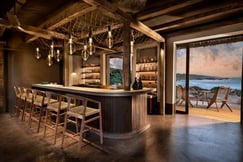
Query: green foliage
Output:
(115,76)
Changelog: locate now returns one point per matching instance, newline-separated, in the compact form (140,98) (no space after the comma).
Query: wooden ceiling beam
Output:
(151,14)
(100,30)
(4,23)
(193,20)
(116,13)
(62,21)
(32,30)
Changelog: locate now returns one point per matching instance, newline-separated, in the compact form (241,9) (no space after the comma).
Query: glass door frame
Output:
(187,80)
(186,111)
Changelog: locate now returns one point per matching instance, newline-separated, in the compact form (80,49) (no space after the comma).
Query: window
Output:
(114,69)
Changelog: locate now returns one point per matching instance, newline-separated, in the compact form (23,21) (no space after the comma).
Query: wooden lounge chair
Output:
(221,95)
(181,96)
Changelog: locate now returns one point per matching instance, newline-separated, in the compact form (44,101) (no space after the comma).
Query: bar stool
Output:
(38,108)
(27,98)
(18,103)
(86,115)
(55,111)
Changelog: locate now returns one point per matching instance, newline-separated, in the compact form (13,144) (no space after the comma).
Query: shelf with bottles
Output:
(147,59)
(148,77)
(149,84)
(90,69)
(147,71)
(90,73)
(146,67)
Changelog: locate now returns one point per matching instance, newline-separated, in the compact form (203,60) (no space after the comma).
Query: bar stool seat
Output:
(86,111)
(55,111)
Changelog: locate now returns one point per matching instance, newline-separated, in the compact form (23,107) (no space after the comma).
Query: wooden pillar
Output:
(161,77)
(187,78)
(2,80)
(126,56)
(66,65)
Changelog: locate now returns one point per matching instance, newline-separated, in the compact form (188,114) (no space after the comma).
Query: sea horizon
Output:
(233,83)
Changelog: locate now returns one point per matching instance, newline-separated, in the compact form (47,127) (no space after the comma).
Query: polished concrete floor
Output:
(179,138)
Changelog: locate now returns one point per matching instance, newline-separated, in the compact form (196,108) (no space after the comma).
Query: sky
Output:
(223,60)
(116,63)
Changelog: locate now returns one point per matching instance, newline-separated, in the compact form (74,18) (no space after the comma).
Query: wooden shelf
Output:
(90,74)
(92,78)
(153,62)
(149,71)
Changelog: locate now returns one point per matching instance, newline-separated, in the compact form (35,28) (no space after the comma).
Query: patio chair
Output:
(220,95)
(181,95)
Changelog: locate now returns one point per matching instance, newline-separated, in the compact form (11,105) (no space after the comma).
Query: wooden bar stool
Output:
(38,108)
(21,98)
(55,112)
(18,101)
(87,111)
(27,98)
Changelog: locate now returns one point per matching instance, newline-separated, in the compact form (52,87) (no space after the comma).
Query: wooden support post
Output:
(126,56)
(66,65)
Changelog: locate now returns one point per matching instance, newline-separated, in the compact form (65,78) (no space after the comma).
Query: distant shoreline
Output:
(202,77)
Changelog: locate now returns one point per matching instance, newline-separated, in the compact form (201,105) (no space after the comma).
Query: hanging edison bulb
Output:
(38,54)
(91,48)
(52,49)
(132,42)
(84,53)
(109,39)
(70,45)
(49,59)
(58,55)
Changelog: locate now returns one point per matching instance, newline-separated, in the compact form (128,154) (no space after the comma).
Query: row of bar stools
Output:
(86,111)
(59,110)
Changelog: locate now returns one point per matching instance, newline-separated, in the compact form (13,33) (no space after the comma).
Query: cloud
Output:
(223,60)
(116,63)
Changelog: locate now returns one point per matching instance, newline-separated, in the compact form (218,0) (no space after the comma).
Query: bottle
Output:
(135,84)
(140,84)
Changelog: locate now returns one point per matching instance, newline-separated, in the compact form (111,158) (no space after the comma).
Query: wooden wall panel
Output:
(2,86)
(139,111)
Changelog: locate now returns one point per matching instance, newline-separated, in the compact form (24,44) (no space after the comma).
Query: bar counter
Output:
(124,113)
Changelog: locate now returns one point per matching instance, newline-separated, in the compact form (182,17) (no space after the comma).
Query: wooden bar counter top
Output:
(124,113)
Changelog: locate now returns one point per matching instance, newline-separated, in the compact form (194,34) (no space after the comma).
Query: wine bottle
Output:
(135,84)
(140,84)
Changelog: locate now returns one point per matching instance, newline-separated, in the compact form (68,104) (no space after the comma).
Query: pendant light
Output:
(84,53)
(49,59)
(70,45)
(91,49)
(132,41)
(109,39)
(52,49)
(58,56)
(38,54)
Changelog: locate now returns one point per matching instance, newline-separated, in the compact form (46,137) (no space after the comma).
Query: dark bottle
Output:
(135,84)
(140,84)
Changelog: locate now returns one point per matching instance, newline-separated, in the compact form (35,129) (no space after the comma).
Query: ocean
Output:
(233,83)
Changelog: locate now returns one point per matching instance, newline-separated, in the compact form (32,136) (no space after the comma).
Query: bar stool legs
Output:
(81,109)
(38,109)
(54,112)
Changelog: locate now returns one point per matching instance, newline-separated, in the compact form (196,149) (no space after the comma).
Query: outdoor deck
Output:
(224,114)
